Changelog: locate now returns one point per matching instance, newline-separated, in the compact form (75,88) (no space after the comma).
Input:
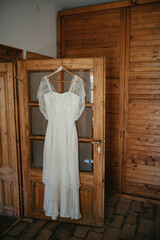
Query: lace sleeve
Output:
(42,90)
(78,88)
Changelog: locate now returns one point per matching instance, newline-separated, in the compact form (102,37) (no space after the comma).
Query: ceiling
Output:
(67,4)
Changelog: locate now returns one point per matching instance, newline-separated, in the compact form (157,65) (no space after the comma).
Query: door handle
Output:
(98,141)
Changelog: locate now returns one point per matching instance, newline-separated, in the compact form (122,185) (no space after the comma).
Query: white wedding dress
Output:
(60,153)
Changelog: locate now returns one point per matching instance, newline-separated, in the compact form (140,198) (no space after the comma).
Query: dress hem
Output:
(54,218)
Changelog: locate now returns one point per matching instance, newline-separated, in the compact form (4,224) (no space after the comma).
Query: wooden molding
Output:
(10,53)
(35,56)
(95,8)
(127,3)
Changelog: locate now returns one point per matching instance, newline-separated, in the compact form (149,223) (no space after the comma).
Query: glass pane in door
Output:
(85,157)
(34,82)
(38,122)
(85,123)
(37,153)
(87,75)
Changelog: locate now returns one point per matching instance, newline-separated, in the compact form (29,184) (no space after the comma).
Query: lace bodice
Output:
(69,104)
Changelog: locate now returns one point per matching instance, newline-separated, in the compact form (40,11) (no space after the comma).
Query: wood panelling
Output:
(101,33)
(9,191)
(142,148)
(129,39)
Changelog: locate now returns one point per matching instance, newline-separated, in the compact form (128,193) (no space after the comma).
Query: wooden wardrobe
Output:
(127,33)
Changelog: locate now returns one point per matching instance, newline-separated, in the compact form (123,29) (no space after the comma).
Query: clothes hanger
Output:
(61,68)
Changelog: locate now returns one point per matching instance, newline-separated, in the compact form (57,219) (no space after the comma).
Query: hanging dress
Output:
(60,153)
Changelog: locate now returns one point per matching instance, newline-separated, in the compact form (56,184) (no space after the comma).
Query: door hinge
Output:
(122,134)
(17,86)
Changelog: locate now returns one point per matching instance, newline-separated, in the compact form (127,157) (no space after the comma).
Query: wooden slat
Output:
(95,33)
(92,42)
(148,19)
(110,52)
(52,65)
(146,25)
(145,66)
(144,190)
(145,54)
(36,104)
(79,139)
(110,20)
(140,178)
(121,98)
(126,91)
(146,7)
(149,14)
(145,32)
(142,158)
(137,168)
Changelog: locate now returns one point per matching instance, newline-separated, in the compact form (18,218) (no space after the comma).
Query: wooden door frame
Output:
(11,171)
(96,179)
(11,54)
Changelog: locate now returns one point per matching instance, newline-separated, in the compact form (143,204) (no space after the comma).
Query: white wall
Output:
(29,25)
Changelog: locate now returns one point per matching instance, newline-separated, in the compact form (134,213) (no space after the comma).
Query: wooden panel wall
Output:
(95,34)
(142,113)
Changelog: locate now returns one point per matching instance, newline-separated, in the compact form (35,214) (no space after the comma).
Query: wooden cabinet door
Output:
(9,190)
(141,175)
(90,131)
(98,31)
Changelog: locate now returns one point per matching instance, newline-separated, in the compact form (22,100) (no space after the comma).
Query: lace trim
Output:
(76,87)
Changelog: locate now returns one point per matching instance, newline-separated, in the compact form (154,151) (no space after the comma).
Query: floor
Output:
(5,222)
(125,220)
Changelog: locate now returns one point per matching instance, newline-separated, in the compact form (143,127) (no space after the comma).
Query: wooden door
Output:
(100,31)
(141,175)
(9,191)
(90,127)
